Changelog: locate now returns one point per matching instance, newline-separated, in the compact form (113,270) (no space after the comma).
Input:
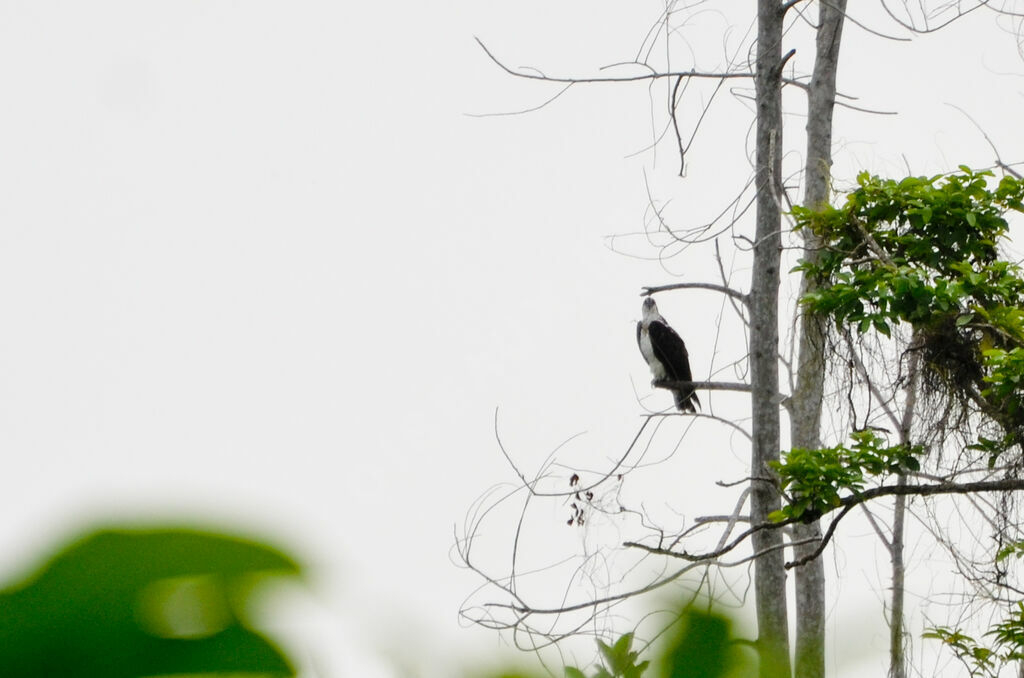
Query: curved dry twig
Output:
(999,161)
(913,28)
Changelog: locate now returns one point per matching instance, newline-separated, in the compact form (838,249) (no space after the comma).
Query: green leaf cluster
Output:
(914,250)
(993,447)
(979,660)
(1005,374)
(700,645)
(1009,635)
(1015,549)
(813,479)
(620,661)
(1007,644)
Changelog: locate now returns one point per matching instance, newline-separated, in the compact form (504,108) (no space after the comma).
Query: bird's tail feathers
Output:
(686,401)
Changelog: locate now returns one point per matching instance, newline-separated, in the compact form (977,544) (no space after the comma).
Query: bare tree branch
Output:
(654,75)
(704,385)
(735,294)
(845,505)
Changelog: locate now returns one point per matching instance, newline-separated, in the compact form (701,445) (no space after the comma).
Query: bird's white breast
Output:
(657,369)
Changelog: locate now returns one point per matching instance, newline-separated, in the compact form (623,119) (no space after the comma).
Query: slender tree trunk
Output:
(769,570)
(897,655)
(805,407)
(897,659)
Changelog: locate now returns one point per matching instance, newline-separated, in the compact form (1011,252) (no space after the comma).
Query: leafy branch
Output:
(812,480)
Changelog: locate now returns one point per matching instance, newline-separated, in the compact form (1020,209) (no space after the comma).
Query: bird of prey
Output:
(666,354)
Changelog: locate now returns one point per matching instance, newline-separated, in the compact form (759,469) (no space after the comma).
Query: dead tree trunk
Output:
(769,570)
(805,411)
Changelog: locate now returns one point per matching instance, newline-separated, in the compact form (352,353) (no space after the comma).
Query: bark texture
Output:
(769,571)
(897,653)
(805,407)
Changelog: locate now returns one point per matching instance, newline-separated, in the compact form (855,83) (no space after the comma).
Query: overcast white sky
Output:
(259,269)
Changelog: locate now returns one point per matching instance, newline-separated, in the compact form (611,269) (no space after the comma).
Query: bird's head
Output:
(650,309)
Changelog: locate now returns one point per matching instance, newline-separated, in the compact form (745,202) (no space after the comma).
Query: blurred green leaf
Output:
(701,649)
(127,603)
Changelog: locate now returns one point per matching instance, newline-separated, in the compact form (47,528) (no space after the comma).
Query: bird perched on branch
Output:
(666,354)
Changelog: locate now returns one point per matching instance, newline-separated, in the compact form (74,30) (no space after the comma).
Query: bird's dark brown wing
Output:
(670,349)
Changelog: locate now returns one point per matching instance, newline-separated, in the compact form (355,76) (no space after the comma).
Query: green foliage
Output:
(700,649)
(813,480)
(1005,374)
(922,252)
(1009,635)
(993,447)
(915,250)
(700,646)
(620,661)
(1015,549)
(979,660)
(132,603)
(982,660)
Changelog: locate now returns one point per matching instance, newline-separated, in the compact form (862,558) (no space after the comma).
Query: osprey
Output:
(666,354)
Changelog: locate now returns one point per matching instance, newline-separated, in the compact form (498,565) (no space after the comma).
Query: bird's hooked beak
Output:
(650,308)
